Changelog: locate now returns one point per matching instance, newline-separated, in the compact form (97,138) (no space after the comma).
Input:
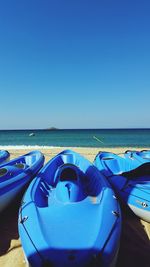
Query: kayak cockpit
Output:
(18,166)
(70,184)
(9,172)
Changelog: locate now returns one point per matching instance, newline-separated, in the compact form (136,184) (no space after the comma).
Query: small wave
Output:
(34,147)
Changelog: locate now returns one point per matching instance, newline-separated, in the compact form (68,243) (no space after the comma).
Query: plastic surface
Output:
(4,156)
(141,156)
(130,178)
(70,216)
(17,173)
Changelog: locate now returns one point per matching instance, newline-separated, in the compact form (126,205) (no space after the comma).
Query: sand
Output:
(135,238)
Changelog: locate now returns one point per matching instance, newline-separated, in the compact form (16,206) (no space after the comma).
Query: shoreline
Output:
(134,245)
(28,147)
(88,152)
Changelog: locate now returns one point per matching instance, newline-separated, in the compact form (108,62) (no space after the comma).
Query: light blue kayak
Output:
(70,216)
(17,173)
(4,156)
(130,178)
(141,156)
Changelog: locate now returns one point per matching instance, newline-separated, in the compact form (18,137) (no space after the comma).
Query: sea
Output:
(75,138)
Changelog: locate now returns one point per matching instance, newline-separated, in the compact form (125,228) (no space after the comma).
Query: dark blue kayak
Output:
(70,216)
(4,156)
(17,173)
(130,178)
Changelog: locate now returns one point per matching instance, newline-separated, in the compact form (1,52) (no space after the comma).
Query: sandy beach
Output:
(135,239)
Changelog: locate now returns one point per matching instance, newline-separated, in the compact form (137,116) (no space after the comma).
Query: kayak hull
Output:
(4,156)
(16,174)
(72,221)
(131,180)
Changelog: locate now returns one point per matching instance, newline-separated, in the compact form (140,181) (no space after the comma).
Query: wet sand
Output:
(135,238)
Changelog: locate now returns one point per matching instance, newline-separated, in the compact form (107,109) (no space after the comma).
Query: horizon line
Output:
(57,129)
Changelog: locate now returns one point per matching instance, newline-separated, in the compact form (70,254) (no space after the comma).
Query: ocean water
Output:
(77,138)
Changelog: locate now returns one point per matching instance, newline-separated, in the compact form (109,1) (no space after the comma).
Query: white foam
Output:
(7,147)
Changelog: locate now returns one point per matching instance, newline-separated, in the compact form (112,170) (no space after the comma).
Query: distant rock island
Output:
(52,129)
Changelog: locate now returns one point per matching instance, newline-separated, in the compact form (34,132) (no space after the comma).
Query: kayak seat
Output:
(69,187)
(20,165)
(9,172)
(3,171)
(68,184)
(68,174)
(112,166)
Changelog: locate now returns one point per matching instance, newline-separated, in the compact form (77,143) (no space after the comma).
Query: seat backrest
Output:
(68,174)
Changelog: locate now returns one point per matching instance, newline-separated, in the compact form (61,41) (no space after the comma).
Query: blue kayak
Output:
(70,216)
(17,173)
(4,156)
(130,178)
(141,156)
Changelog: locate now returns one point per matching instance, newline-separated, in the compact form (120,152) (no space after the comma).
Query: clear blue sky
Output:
(74,64)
